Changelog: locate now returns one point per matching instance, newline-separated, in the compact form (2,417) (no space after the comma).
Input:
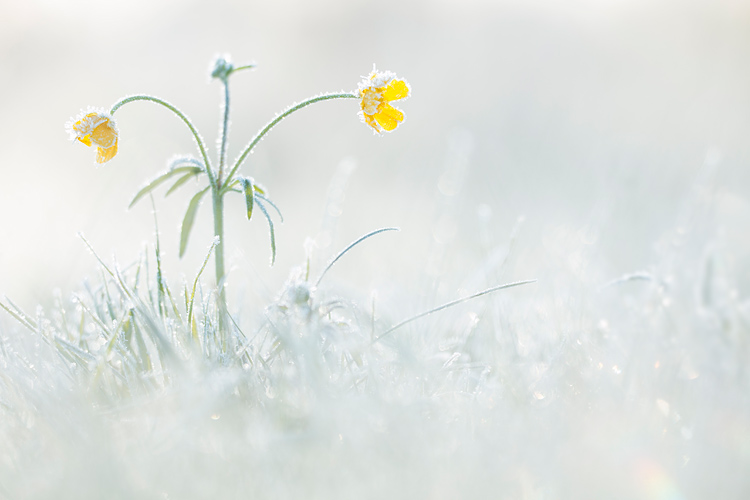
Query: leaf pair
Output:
(188,168)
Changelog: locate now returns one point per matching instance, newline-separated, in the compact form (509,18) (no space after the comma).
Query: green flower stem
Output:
(276,120)
(223,132)
(201,146)
(218,208)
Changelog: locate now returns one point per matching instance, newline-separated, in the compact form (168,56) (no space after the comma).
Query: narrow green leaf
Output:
(349,247)
(191,324)
(182,180)
(270,230)
(248,189)
(187,222)
(263,197)
(19,316)
(160,179)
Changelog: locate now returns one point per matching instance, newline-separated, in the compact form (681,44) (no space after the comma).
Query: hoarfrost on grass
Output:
(542,393)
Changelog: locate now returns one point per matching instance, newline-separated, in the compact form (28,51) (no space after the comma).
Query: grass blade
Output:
(349,247)
(191,324)
(19,316)
(451,304)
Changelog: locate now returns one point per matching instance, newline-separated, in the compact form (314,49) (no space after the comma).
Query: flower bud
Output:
(222,68)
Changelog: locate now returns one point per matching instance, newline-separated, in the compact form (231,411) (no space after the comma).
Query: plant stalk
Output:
(218,206)
(223,132)
(218,209)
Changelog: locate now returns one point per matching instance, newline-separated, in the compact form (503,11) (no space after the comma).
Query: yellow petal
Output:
(86,139)
(104,135)
(85,125)
(387,122)
(389,117)
(103,155)
(392,112)
(396,89)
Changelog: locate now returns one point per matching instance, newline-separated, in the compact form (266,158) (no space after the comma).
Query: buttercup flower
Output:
(95,128)
(377,91)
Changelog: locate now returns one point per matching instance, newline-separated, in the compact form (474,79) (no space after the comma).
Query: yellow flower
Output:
(377,91)
(95,128)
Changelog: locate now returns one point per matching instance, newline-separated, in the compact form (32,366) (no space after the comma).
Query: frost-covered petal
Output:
(84,123)
(104,134)
(392,112)
(376,91)
(95,128)
(396,89)
(103,155)
(389,117)
(370,120)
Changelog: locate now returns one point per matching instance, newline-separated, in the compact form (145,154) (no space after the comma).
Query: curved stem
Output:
(223,132)
(280,117)
(196,136)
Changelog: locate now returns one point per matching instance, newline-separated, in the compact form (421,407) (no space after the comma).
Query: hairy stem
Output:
(218,209)
(223,131)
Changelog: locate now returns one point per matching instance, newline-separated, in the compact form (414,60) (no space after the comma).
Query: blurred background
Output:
(590,121)
(574,142)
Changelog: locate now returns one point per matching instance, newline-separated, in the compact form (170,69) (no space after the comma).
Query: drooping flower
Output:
(377,91)
(95,128)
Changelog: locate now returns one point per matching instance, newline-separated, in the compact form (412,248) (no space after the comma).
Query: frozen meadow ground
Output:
(581,385)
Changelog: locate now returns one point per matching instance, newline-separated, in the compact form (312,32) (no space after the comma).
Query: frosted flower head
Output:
(377,91)
(95,128)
